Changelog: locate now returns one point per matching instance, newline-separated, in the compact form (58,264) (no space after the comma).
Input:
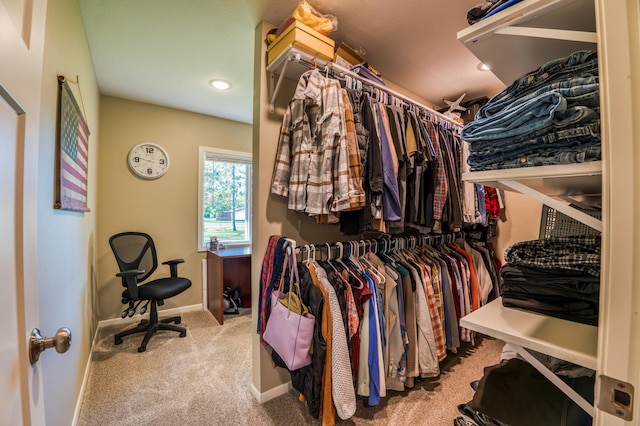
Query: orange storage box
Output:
(304,38)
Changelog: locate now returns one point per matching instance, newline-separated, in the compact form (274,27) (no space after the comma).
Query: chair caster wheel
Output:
(183,333)
(178,321)
(142,349)
(118,341)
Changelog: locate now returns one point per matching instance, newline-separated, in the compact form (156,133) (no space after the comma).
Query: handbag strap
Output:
(294,278)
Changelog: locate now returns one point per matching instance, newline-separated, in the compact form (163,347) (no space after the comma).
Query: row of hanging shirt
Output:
(386,313)
(371,161)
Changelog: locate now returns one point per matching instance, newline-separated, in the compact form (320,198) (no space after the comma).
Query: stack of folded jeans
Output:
(548,116)
(558,276)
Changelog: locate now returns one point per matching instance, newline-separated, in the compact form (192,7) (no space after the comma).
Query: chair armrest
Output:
(130,280)
(130,273)
(173,266)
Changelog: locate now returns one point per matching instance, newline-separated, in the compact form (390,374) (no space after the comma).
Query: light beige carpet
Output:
(205,379)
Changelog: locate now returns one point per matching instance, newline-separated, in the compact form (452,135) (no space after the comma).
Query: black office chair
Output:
(136,257)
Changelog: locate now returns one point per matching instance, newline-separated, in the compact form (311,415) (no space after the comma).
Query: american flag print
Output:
(74,154)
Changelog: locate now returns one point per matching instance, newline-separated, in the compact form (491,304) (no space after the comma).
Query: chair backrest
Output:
(134,250)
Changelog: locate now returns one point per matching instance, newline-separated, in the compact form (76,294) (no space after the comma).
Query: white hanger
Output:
(370,267)
(290,246)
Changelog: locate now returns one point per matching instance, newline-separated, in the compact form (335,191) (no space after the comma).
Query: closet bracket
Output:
(280,65)
(555,204)
(274,86)
(565,388)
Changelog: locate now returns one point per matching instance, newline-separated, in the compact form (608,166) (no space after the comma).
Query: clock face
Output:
(148,160)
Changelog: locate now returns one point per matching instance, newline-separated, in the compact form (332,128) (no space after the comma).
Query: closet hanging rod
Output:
(293,54)
(391,241)
(393,93)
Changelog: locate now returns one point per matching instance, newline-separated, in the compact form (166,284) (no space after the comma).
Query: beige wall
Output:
(165,208)
(521,221)
(66,240)
(271,216)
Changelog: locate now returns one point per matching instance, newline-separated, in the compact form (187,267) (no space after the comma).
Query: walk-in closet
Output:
(548,264)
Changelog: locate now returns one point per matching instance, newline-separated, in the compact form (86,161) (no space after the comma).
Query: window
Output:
(224,197)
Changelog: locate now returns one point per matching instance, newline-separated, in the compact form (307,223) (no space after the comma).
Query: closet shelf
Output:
(567,340)
(528,34)
(549,184)
(556,180)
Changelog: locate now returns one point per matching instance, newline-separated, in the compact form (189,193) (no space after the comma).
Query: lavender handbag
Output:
(289,333)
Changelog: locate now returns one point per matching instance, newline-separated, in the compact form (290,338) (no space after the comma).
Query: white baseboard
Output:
(271,393)
(76,412)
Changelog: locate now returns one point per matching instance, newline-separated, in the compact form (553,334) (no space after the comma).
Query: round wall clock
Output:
(148,160)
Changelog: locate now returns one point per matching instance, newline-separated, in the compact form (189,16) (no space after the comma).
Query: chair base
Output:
(151,326)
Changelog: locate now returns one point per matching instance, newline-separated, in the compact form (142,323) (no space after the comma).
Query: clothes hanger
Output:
(384,252)
(329,260)
(304,248)
(370,267)
(341,261)
(354,254)
(290,246)
(313,249)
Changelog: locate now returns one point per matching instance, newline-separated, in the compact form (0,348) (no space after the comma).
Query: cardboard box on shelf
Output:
(347,57)
(302,37)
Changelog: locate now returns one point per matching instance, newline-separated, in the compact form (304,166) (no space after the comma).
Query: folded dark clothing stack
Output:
(575,310)
(558,277)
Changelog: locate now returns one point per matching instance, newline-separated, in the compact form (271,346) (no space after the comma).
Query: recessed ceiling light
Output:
(483,67)
(220,84)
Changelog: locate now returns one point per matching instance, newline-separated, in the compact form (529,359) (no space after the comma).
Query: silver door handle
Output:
(37,344)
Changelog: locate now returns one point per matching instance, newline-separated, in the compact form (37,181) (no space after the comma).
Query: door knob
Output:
(37,344)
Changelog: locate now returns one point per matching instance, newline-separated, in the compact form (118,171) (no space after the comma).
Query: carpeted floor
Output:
(205,379)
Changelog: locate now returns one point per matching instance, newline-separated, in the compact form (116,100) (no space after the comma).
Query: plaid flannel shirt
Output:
(312,148)
(580,253)
(441,184)
(357,199)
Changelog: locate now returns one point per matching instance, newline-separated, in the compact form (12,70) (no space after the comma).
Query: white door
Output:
(21,47)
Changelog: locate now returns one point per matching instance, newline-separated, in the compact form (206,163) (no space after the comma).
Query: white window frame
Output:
(207,152)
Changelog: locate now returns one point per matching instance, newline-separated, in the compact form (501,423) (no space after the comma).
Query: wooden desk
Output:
(229,267)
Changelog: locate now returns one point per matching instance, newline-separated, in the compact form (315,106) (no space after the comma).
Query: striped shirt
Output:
(441,184)
(357,199)
(312,149)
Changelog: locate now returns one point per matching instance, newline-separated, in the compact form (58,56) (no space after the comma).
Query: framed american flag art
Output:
(72,152)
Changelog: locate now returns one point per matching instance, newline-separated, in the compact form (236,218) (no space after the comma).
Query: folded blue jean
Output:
(553,157)
(567,123)
(578,90)
(554,138)
(532,114)
(501,156)
(583,63)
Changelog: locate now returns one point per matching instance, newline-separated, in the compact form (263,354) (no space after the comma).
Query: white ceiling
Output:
(165,52)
